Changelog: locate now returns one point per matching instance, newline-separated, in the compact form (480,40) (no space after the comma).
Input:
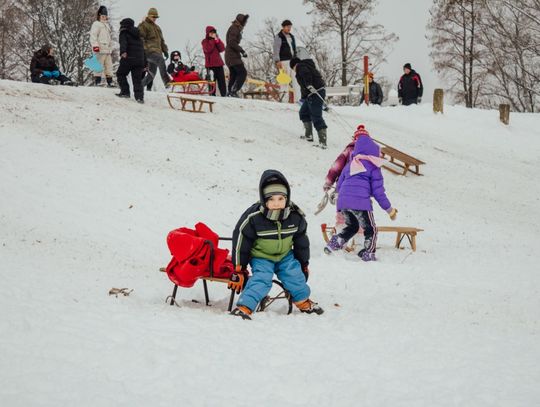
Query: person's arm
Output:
(303,75)
(33,67)
(94,33)
(277,48)
(420,85)
(400,87)
(337,167)
(219,45)
(380,95)
(143,33)
(122,39)
(377,189)
(301,243)
(208,46)
(170,68)
(244,236)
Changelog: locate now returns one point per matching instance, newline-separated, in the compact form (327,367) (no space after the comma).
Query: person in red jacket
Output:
(212,48)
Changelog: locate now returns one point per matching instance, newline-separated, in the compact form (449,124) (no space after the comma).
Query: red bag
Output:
(191,256)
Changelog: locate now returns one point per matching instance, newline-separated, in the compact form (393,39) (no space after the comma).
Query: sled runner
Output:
(265,90)
(200,258)
(402,232)
(185,103)
(194,87)
(401,160)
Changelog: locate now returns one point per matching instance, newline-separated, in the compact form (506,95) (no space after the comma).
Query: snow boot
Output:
(309,307)
(141,101)
(242,312)
(97,80)
(366,256)
(110,83)
(335,244)
(122,95)
(308,135)
(322,138)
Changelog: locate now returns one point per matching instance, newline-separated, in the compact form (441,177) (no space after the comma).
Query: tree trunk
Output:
(438,101)
(504,113)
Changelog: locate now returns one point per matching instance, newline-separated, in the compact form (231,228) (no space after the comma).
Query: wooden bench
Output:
(402,160)
(401,231)
(196,103)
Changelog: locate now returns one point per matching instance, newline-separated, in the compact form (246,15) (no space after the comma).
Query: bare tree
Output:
(511,36)
(348,21)
(8,60)
(455,51)
(260,63)
(193,55)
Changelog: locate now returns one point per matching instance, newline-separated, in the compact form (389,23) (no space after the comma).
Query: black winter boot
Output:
(97,80)
(322,138)
(308,135)
(109,82)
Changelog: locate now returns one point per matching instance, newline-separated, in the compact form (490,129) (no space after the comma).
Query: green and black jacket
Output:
(271,234)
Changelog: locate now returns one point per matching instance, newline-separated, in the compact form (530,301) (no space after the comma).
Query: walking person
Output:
(410,87)
(154,47)
(131,60)
(101,41)
(212,48)
(234,53)
(313,91)
(284,51)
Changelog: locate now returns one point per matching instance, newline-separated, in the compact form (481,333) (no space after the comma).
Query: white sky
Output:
(183,20)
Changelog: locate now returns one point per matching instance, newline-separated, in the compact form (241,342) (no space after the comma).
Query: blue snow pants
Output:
(288,271)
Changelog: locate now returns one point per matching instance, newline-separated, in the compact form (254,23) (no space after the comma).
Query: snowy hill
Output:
(90,186)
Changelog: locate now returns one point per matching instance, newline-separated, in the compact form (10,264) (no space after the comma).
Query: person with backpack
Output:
(410,87)
(43,68)
(154,47)
(213,47)
(132,60)
(313,91)
(375,92)
(284,51)
(234,53)
(101,42)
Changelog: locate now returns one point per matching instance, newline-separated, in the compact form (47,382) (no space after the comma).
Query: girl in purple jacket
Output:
(360,180)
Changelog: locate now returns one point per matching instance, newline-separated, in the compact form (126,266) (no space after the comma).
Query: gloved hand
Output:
(55,74)
(305,270)
(166,54)
(419,100)
(95,49)
(243,54)
(236,282)
(392,212)
(326,187)
(333,197)
(123,55)
(312,89)
(47,74)
(400,100)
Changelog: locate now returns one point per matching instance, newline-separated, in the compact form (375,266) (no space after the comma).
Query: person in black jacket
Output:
(43,67)
(410,87)
(271,237)
(375,92)
(313,91)
(132,60)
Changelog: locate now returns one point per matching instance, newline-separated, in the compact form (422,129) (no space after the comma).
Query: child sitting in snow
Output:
(271,237)
(360,180)
(180,72)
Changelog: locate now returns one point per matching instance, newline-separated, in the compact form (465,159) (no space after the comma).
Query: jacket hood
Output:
(365,145)
(242,19)
(172,54)
(127,23)
(309,62)
(209,29)
(273,177)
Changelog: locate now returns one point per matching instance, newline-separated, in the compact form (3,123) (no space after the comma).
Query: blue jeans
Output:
(312,110)
(288,271)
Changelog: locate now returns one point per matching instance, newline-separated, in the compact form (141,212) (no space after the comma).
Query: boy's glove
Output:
(47,74)
(236,282)
(305,270)
(166,54)
(326,187)
(244,54)
(333,197)
(392,212)
(55,74)
(95,49)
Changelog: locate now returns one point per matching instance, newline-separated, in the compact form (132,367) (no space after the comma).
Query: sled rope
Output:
(116,291)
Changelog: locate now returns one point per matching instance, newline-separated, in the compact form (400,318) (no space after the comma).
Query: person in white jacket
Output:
(101,41)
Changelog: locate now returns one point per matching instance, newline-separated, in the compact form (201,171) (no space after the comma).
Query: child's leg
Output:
(367,222)
(259,284)
(290,274)
(351,225)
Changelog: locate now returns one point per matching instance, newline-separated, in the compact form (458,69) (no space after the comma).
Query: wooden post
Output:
(504,113)
(438,104)
(366,80)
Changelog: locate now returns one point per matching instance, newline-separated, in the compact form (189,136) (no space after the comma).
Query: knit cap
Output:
(153,13)
(360,131)
(274,189)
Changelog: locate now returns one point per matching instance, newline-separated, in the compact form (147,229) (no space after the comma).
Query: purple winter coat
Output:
(355,191)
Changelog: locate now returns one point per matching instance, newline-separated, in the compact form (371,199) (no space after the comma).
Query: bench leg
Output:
(173,296)
(206,298)
(398,240)
(413,243)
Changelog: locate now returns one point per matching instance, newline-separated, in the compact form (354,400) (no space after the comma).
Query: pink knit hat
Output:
(360,131)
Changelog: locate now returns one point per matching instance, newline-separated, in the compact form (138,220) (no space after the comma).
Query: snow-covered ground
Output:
(90,186)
